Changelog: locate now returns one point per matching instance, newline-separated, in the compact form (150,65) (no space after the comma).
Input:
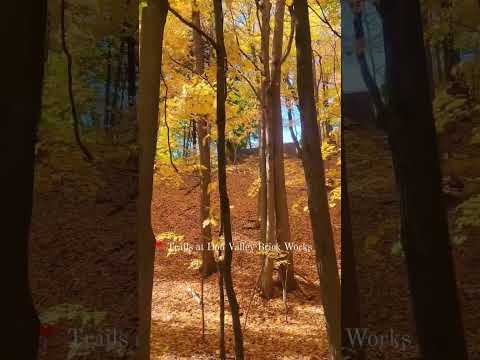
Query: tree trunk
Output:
(424,235)
(291,127)
(221,290)
(262,195)
(266,281)
(208,260)
(222,178)
(153,22)
(282,223)
(315,179)
(22,76)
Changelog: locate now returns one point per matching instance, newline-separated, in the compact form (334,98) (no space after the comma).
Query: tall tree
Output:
(282,222)
(222,177)
(154,17)
(267,190)
(22,76)
(424,235)
(208,260)
(277,227)
(315,179)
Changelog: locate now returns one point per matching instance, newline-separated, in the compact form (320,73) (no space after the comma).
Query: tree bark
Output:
(282,223)
(208,260)
(153,22)
(315,179)
(262,194)
(22,76)
(266,281)
(291,127)
(425,236)
(222,178)
(221,290)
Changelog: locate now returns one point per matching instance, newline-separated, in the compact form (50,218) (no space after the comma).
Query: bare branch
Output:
(292,34)
(166,123)
(186,67)
(257,5)
(249,82)
(73,107)
(323,18)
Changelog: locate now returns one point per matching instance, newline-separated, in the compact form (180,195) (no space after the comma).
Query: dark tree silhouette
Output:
(22,76)
(424,227)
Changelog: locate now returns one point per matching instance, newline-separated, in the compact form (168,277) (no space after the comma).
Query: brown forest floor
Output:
(83,263)
(176,317)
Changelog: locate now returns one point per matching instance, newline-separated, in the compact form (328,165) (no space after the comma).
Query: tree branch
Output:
(166,123)
(292,33)
(323,18)
(193,26)
(70,86)
(249,82)
(184,66)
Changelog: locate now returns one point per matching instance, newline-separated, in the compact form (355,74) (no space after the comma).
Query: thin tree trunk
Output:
(291,127)
(425,236)
(153,22)
(222,178)
(22,76)
(221,291)
(266,282)
(262,196)
(208,260)
(315,179)
(282,223)
(73,107)
(184,147)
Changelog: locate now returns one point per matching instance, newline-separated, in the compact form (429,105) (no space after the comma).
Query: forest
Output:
(264,179)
